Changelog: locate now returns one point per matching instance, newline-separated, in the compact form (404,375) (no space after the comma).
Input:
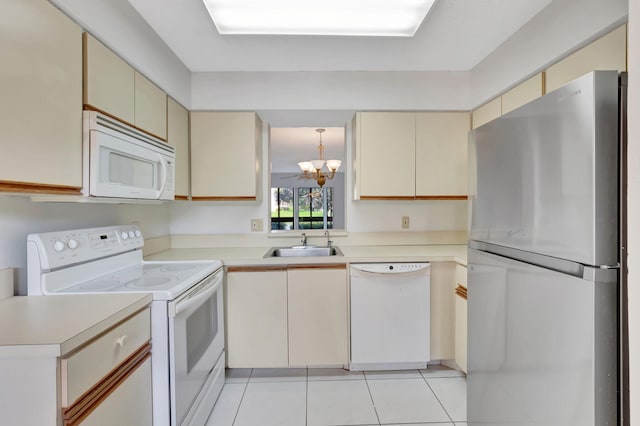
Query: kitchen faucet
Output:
(326,234)
(304,239)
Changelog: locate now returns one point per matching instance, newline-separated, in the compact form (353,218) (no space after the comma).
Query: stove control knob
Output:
(58,245)
(72,243)
(131,234)
(124,235)
(138,233)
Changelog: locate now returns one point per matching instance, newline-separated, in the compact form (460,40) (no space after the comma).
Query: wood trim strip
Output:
(386,197)
(461,291)
(227,198)
(84,406)
(181,197)
(256,268)
(318,266)
(441,197)
(90,107)
(40,188)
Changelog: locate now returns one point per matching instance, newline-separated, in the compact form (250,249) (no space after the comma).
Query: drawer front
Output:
(82,370)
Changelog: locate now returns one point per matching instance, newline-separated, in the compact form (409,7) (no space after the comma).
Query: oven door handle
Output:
(197,296)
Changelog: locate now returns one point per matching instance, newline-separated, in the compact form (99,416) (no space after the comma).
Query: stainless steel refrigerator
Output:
(544,261)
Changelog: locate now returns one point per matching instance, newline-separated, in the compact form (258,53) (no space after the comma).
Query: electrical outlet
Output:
(405,222)
(256,225)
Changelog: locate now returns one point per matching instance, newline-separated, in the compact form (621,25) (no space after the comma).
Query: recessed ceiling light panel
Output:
(399,18)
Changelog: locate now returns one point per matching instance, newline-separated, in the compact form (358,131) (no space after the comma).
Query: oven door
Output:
(196,341)
(125,167)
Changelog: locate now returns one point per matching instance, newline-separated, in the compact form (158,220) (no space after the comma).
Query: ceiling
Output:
(455,36)
(289,145)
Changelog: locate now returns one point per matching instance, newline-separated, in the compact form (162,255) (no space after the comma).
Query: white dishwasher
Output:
(390,304)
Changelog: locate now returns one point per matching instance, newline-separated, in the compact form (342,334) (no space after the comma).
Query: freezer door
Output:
(544,177)
(542,345)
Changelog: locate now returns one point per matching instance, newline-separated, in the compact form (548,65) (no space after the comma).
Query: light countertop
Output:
(244,256)
(53,326)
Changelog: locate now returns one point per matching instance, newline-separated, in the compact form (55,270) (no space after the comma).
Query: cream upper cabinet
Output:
(441,154)
(256,320)
(318,315)
(114,87)
(109,82)
(523,93)
(461,317)
(607,53)
(487,112)
(178,136)
(41,101)
(150,107)
(225,155)
(443,277)
(385,155)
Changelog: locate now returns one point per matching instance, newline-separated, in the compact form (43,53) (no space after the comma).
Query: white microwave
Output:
(120,161)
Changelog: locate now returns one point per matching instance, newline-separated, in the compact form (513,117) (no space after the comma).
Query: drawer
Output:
(87,367)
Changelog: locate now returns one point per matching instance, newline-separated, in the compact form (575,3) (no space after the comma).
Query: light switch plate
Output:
(405,222)
(256,225)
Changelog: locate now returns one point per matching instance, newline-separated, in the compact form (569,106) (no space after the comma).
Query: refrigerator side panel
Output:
(544,176)
(541,345)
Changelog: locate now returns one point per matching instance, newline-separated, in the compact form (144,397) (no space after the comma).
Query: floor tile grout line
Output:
(246,385)
(375,410)
(438,399)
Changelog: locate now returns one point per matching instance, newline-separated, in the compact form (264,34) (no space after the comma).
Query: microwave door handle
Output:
(197,297)
(163,175)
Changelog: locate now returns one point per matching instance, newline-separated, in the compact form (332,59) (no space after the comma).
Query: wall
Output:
(20,216)
(634,207)
(341,90)
(118,25)
(563,27)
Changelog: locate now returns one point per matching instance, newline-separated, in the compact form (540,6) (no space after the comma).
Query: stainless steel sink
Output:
(303,251)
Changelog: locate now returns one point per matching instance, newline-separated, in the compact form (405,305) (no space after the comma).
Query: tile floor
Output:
(335,397)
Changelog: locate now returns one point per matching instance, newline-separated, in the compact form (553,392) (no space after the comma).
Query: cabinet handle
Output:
(122,340)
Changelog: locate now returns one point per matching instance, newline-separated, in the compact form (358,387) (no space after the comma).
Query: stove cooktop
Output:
(164,280)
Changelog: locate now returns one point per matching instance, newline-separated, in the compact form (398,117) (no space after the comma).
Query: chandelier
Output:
(313,169)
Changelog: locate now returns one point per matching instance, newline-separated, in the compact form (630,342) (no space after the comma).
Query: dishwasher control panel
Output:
(390,268)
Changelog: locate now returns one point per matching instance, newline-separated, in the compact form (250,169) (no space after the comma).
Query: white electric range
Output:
(187,322)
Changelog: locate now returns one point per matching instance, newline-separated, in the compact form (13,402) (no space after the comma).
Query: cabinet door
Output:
(385,155)
(523,93)
(129,404)
(41,98)
(178,136)
(318,315)
(150,107)
(441,155)
(487,112)
(607,53)
(225,155)
(109,82)
(256,323)
(443,277)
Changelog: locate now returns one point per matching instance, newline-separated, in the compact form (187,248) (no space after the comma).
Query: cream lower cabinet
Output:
(318,315)
(443,278)
(225,156)
(41,99)
(256,317)
(178,136)
(461,317)
(279,317)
